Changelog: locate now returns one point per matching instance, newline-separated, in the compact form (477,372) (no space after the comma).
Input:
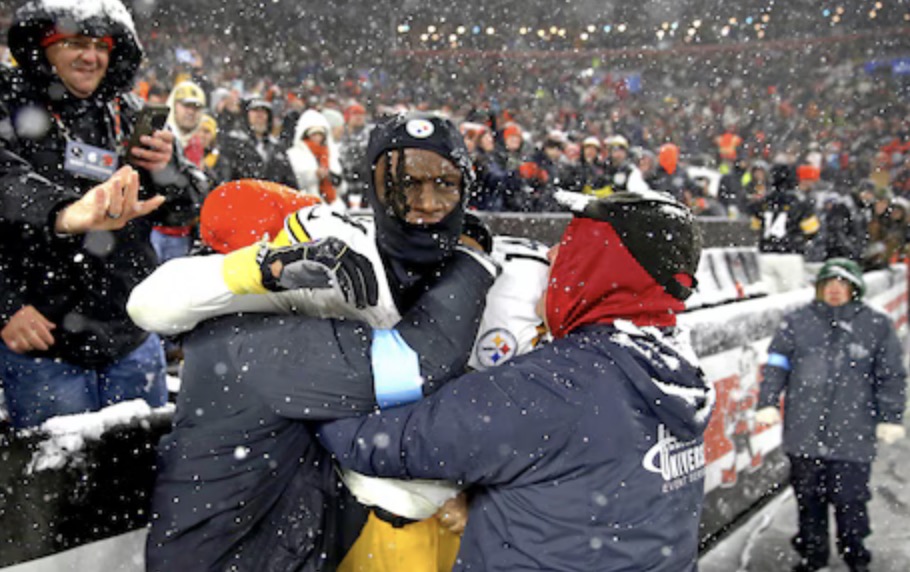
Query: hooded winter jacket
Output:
(588,452)
(842,371)
(302,160)
(81,283)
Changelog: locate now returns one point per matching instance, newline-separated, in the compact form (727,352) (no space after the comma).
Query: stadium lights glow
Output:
(522,30)
(591,28)
(691,32)
(725,31)
(403,28)
(424,37)
(453,38)
(696,24)
(491,30)
(431,28)
(542,33)
(562,32)
(553,29)
(621,28)
(460,29)
(660,34)
(584,36)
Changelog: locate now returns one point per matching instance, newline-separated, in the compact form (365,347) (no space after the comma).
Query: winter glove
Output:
(767,416)
(320,264)
(889,433)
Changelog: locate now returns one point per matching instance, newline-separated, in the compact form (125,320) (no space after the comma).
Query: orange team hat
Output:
(808,173)
(510,130)
(668,158)
(238,213)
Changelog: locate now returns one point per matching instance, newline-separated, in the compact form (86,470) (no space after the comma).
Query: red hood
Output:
(615,287)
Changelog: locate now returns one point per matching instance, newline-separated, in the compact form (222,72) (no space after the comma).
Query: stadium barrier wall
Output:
(77,489)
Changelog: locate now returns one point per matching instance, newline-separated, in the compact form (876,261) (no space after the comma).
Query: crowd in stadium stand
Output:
(704,121)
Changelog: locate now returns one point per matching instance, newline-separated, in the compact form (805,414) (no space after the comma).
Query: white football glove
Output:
(889,433)
(767,416)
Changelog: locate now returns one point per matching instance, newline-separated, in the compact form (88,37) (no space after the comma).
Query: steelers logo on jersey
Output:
(495,347)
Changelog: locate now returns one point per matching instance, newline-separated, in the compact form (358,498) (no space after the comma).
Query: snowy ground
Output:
(763,543)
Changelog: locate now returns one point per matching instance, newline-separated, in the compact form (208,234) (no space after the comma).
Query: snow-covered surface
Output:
(762,544)
(123,553)
(86,9)
(68,434)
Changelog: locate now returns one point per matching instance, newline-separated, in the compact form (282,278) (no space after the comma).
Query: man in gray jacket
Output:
(839,362)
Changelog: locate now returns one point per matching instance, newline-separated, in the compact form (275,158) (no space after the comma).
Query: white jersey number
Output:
(775,225)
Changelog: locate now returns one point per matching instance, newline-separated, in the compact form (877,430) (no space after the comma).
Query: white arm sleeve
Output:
(185,291)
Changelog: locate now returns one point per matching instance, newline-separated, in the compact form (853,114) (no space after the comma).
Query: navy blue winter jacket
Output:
(842,371)
(588,454)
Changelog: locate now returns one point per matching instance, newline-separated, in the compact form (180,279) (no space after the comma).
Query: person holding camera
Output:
(77,204)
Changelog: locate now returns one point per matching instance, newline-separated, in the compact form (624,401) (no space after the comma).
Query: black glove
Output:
(319,264)
(477,228)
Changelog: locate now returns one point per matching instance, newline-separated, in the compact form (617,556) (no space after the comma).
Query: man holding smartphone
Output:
(74,235)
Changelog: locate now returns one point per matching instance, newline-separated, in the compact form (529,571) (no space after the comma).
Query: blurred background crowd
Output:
(702,100)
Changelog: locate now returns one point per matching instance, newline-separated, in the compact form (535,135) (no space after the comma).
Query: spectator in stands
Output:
(186,102)
(208,135)
(885,231)
(249,153)
(757,184)
(352,153)
(74,234)
(785,219)
(588,175)
(840,364)
(314,160)
(621,173)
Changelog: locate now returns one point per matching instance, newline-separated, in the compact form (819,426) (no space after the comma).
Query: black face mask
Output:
(416,245)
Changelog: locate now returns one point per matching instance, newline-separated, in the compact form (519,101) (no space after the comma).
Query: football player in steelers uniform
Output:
(351,269)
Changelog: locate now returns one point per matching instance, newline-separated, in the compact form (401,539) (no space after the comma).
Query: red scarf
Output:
(321,153)
(595,279)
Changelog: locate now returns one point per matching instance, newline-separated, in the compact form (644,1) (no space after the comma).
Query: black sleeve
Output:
(320,369)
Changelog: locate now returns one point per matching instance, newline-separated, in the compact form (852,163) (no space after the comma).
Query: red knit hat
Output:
(238,213)
(353,109)
(808,173)
(511,130)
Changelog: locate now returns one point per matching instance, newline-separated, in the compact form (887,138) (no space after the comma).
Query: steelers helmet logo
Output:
(495,347)
(419,128)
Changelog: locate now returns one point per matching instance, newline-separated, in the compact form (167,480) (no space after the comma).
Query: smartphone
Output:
(151,118)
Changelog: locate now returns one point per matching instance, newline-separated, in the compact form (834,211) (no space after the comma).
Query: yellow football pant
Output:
(423,546)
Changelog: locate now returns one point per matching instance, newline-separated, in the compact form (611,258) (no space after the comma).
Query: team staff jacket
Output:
(547,437)
(241,481)
(785,220)
(80,283)
(842,371)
